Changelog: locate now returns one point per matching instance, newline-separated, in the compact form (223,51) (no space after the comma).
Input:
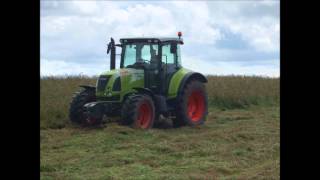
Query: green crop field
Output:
(240,139)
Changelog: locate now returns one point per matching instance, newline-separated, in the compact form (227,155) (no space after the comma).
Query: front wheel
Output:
(138,111)
(192,105)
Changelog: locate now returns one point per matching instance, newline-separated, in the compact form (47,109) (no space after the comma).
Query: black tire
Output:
(138,111)
(77,112)
(186,114)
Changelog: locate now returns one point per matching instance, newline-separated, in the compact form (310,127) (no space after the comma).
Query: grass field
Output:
(240,139)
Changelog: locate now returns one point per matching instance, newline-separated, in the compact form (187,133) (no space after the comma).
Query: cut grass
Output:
(233,144)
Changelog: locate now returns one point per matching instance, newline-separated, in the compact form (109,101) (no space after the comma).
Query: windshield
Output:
(139,53)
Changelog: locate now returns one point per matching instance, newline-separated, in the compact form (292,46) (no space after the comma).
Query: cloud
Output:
(194,20)
(231,68)
(221,34)
(256,22)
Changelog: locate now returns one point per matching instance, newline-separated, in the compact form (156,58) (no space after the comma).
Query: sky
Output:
(240,37)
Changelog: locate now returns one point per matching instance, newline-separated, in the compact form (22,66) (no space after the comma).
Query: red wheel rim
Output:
(196,106)
(91,121)
(144,115)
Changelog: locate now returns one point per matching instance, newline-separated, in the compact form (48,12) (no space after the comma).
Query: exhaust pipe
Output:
(112,47)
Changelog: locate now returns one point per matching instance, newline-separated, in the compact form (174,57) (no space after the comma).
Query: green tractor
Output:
(150,82)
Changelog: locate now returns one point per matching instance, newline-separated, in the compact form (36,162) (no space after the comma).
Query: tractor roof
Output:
(151,39)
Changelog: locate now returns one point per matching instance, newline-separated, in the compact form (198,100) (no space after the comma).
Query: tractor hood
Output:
(124,72)
(118,82)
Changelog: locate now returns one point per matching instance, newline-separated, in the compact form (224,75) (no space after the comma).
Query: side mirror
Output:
(173,48)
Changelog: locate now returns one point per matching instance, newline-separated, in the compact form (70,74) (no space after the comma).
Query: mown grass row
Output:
(224,92)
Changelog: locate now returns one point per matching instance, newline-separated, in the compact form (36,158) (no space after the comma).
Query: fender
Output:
(159,100)
(189,76)
(88,87)
(179,80)
(144,91)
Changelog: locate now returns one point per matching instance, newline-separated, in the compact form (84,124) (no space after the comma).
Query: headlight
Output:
(102,82)
(117,85)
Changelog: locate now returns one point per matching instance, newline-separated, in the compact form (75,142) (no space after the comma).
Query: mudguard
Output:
(159,100)
(189,76)
(144,91)
(179,80)
(88,87)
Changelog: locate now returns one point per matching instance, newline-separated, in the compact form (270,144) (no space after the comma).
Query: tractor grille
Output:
(102,82)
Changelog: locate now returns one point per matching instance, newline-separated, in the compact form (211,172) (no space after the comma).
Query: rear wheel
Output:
(77,112)
(138,111)
(192,105)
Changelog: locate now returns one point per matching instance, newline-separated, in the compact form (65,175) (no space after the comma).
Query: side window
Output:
(167,57)
(145,52)
(154,50)
(130,55)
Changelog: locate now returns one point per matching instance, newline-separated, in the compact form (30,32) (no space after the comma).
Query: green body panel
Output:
(130,78)
(133,78)
(175,82)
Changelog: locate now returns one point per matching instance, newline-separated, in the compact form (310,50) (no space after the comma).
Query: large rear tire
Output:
(138,111)
(192,105)
(77,114)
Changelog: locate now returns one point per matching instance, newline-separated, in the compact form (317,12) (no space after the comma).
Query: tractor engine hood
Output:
(118,82)
(124,72)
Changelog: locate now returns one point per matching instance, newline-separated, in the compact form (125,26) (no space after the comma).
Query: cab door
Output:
(150,53)
(169,64)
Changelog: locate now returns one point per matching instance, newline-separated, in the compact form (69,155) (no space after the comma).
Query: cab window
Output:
(167,56)
(139,53)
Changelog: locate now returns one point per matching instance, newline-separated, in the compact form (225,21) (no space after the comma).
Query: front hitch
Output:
(94,112)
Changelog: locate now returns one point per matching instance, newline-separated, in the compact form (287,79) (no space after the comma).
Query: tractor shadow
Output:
(163,123)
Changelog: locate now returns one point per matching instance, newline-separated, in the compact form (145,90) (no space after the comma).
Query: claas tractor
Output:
(151,82)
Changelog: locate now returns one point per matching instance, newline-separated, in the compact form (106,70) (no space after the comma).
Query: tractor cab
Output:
(159,58)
